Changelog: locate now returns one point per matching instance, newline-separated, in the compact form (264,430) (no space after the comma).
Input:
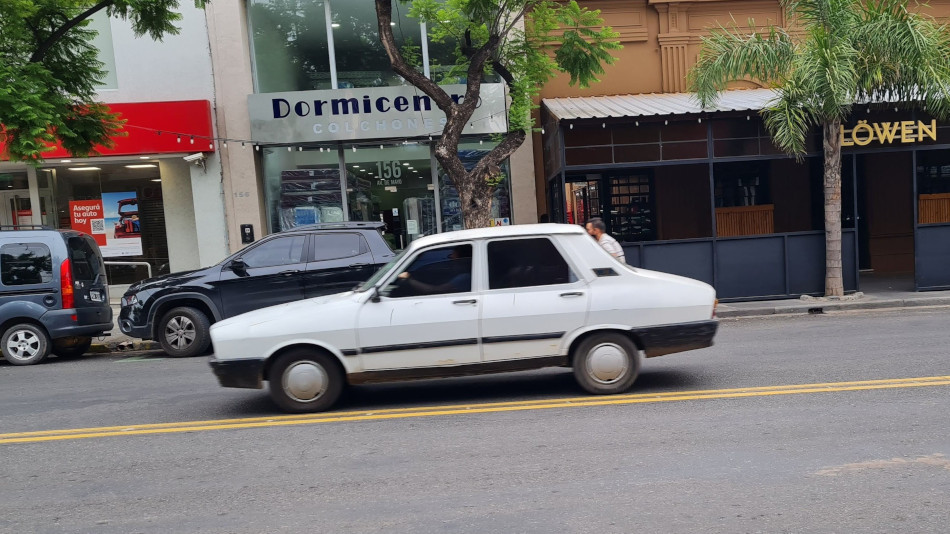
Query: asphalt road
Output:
(692,447)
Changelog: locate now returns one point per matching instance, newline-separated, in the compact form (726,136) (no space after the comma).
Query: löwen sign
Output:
(864,133)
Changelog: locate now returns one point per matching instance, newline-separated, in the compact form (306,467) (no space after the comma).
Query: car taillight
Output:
(66,284)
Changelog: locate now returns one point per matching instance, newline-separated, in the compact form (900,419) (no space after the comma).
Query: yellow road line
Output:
(430,411)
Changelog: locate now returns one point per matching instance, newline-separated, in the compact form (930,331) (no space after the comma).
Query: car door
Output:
(533,299)
(338,262)
(272,273)
(426,316)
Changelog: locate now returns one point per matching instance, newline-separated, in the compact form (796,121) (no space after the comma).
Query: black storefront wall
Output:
(774,265)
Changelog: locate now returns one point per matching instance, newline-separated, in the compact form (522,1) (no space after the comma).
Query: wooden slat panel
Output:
(745,220)
(934,208)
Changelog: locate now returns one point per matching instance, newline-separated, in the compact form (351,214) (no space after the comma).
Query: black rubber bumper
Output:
(239,373)
(670,338)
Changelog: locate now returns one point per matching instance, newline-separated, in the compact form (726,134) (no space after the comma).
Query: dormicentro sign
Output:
(366,113)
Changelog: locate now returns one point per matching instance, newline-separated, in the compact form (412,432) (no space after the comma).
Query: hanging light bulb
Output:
(289,148)
(224,144)
(257,148)
(354,148)
(179,139)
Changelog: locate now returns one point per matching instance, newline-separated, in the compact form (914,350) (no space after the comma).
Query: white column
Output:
(35,207)
(180,228)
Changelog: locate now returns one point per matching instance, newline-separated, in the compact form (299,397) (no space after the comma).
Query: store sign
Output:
(366,113)
(113,221)
(887,133)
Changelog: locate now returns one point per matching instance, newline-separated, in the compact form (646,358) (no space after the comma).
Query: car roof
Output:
(345,225)
(517,230)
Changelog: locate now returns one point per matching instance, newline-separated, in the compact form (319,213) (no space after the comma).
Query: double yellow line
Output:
(431,411)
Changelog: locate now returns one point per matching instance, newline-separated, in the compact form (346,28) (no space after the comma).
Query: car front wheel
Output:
(184,332)
(606,363)
(24,344)
(305,381)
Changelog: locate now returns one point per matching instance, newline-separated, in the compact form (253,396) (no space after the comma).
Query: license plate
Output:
(95,296)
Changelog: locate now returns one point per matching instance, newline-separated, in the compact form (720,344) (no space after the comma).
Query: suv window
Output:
(25,263)
(526,263)
(336,246)
(87,263)
(278,251)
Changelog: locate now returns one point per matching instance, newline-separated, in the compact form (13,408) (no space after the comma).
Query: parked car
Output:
(474,301)
(53,293)
(307,261)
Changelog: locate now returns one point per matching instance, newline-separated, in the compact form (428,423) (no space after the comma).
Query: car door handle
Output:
(358,264)
(573,294)
(466,301)
(289,272)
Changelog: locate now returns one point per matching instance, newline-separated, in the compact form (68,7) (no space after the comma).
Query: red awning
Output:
(185,126)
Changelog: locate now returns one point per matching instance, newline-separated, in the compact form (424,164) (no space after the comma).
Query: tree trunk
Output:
(834,285)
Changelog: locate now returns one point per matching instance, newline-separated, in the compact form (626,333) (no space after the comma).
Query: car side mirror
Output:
(375,297)
(238,266)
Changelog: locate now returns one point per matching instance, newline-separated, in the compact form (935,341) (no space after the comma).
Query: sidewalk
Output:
(893,292)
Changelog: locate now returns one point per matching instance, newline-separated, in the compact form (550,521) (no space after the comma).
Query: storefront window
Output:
(392,184)
(121,206)
(290,45)
(770,196)
(360,58)
(471,152)
(302,187)
(933,187)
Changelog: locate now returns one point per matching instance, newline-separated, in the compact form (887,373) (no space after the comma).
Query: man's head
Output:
(596,227)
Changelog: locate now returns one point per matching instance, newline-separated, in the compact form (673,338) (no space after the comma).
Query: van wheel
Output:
(606,363)
(24,344)
(305,381)
(184,332)
(71,347)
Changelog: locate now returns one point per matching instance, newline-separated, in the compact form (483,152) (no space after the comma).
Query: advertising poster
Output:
(112,221)
(122,225)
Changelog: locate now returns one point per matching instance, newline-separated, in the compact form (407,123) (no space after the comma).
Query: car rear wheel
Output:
(24,344)
(305,381)
(606,363)
(71,347)
(184,332)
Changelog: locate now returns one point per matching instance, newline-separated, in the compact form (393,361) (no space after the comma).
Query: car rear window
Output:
(25,263)
(85,258)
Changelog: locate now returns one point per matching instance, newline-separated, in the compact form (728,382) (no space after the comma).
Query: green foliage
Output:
(847,51)
(49,72)
(556,37)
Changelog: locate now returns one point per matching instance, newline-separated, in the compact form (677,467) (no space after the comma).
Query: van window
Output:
(25,263)
(86,261)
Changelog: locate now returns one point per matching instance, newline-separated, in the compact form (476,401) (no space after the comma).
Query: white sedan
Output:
(475,301)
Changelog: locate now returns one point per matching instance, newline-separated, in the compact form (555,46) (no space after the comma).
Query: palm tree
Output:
(834,54)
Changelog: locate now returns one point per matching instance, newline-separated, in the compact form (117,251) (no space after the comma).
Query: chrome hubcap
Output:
(305,381)
(607,363)
(23,345)
(180,332)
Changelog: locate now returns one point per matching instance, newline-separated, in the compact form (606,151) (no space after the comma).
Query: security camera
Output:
(196,158)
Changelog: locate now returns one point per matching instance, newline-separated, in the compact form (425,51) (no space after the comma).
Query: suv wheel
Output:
(24,344)
(184,332)
(72,347)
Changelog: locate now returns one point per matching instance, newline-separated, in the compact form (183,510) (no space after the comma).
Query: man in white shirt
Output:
(598,230)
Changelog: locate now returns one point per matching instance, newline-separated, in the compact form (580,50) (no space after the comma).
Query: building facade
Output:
(320,129)
(705,193)
(150,210)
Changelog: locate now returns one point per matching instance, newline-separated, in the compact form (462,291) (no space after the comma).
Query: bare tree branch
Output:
(43,48)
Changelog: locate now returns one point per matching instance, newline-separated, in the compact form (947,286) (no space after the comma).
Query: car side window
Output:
(25,263)
(437,271)
(336,246)
(279,251)
(526,263)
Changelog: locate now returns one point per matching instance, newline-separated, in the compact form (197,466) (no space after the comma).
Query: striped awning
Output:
(644,105)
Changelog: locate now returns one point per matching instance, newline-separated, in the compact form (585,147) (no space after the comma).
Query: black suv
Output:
(308,261)
(53,293)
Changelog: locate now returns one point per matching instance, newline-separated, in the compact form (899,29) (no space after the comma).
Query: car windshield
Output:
(381,272)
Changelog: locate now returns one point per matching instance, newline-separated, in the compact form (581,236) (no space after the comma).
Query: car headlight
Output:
(130,300)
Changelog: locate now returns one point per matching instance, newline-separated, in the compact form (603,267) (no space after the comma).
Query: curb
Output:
(123,346)
(817,307)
